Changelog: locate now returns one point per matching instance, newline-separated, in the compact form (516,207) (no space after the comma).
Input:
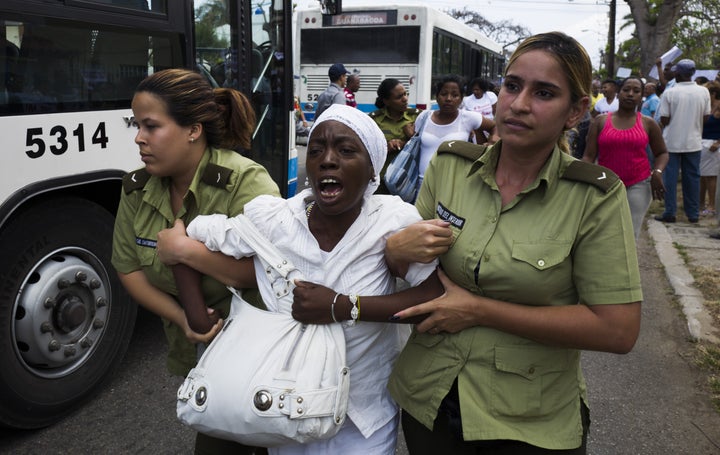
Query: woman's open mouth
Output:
(329,187)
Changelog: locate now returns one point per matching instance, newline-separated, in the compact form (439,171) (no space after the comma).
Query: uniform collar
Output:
(405,114)
(157,189)
(547,178)
(207,155)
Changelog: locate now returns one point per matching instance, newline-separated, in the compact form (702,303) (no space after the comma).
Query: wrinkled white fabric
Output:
(367,130)
(356,265)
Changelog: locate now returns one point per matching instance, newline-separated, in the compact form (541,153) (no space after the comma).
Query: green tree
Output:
(697,32)
(209,17)
(694,26)
(654,21)
(503,32)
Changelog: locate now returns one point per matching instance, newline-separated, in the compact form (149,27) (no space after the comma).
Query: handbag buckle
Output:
(263,400)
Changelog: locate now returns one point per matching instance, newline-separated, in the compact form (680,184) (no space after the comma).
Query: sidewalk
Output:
(682,245)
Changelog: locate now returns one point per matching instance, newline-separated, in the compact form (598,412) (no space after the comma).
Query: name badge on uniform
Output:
(149,243)
(446,215)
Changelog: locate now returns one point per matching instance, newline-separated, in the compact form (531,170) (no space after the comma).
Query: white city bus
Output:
(414,44)
(68,69)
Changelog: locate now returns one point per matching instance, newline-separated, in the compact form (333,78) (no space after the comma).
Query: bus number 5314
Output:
(57,141)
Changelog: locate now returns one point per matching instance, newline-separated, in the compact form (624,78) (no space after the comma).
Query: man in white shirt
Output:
(683,110)
(609,102)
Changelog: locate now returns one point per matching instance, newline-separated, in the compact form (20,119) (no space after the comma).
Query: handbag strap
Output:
(424,122)
(263,247)
(270,256)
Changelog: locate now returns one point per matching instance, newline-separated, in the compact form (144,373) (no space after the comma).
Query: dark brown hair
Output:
(226,115)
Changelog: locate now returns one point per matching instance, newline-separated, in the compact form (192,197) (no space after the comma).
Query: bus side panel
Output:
(54,145)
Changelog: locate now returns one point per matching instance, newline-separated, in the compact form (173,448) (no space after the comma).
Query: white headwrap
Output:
(367,130)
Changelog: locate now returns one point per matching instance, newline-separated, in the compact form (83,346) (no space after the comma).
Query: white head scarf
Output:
(367,130)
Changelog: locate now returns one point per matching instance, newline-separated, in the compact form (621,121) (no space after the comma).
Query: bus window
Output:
(254,63)
(382,45)
(159,6)
(53,67)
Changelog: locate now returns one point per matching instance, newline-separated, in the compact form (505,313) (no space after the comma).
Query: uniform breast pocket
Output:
(147,255)
(146,240)
(542,255)
(456,232)
(545,268)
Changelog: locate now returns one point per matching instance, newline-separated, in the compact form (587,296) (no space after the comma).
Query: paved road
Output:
(651,401)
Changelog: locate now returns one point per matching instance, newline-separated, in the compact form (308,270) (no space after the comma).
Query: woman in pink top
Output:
(619,141)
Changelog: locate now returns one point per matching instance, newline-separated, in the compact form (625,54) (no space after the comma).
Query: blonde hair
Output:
(574,62)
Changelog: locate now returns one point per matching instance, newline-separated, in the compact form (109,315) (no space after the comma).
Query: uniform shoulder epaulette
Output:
(593,174)
(216,175)
(135,180)
(465,149)
(413,110)
(375,113)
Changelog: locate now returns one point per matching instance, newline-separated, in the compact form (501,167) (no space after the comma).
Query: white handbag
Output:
(268,380)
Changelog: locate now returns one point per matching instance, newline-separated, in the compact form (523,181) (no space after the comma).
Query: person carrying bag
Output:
(403,172)
(292,384)
(334,232)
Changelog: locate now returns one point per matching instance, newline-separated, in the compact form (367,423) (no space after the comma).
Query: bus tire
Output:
(65,319)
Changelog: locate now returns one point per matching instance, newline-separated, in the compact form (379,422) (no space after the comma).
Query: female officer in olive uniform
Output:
(540,258)
(185,132)
(395,119)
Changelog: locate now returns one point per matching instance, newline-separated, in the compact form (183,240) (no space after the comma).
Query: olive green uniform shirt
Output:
(223,183)
(565,240)
(392,129)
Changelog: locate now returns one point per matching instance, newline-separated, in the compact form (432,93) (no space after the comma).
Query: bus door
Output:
(257,62)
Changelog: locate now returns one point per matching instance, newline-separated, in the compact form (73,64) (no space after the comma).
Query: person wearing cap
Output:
(334,94)
(683,110)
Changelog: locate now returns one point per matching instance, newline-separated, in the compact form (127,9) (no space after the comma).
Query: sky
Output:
(585,20)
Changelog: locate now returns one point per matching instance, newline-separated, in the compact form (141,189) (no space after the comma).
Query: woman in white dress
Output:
(335,234)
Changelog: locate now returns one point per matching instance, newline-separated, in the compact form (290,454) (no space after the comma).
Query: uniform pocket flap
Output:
(542,255)
(427,340)
(531,362)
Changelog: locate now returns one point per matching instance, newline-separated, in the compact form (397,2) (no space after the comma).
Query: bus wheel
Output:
(65,320)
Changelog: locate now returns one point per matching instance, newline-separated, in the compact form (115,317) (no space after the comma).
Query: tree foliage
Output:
(504,32)
(697,32)
(208,18)
(694,26)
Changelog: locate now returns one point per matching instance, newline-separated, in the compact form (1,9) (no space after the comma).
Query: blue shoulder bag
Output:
(403,172)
